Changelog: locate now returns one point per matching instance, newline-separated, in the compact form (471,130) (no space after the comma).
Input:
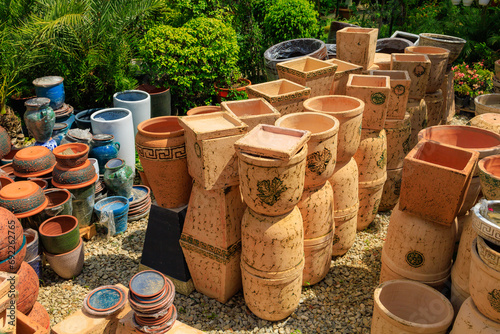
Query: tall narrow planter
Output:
(357,45)
(400,88)
(137,101)
(160,100)
(398,141)
(418,67)
(118,123)
(161,147)
(439,62)
(51,87)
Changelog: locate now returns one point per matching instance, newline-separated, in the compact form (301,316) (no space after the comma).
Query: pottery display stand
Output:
(126,326)
(357,45)
(88,232)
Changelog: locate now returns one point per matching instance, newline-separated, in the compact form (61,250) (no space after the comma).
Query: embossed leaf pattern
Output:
(494,299)
(318,161)
(270,190)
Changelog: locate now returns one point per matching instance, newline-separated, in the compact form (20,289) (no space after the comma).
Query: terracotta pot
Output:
(344,69)
(71,155)
(391,190)
(74,177)
(11,232)
(408,249)
(457,297)
(448,97)
(5,180)
(286,96)
(203,110)
(400,88)
(14,259)
(39,315)
(345,232)
(489,175)
(252,111)
(310,72)
(434,102)
(160,145)
(461,268)
(388,274)
(23,198)
(33,161)
(349,112)
(321,147)
(487,103)
(488,121)
(272,296)
(271,244)
(398,141)
(471,196)
(316,208)
(144,178)
(67,265)
(357,45)
(383,61)
(418,67)
(470,320)
(27,287)
(60,234)
(374,91)
(206,134)
(436,178)
(370,194)
(344,183)
(450,43)
(484,286)
(60,203)
(272,186)
(418,118)
(318,256)
(371,156)
(336,26)
(439,62)
(489,253)
(5,144)
(223,92)
(403,306)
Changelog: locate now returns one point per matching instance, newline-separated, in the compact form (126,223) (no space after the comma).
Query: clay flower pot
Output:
(342,75)
(450,43)
(357,45)
(488,121)
(39,315)
(316,208)
(5,180)
(286,96)
(374,91)
(403,306)
(67,265)
(321,147)
(9,225)
(418,67)
(74,177)
(436,178)
(398,134)
(23,198)
(138,102)
(434,102)
(60,202)
(487,103)
(310,72)
(489,253)
(392,188)
(203,110)
(71,155)
(439,62)
(470,320)
(371,156)
(318,256)
(13,261)
(252,111)
(28,288)
(118,206)
(60,234)
(489,175)
(370,194)
(383,61)
(33,161)
(400,88)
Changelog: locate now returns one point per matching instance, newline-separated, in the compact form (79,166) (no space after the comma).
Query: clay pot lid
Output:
(48,81)
(33,153)
(21,190)
(86,164)
(37,102)
(147,283)
(164,126)
(59,126)
(67,223)
(79,150)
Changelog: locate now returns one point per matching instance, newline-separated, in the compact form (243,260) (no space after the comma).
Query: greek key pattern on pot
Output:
(167,153)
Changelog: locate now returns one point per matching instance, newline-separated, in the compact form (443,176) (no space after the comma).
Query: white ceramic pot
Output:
(484,2)
(467,3)
(138,102)
(456,2)
(117,122)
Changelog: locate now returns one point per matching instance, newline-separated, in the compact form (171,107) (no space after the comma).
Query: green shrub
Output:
(191,59)
(290,19)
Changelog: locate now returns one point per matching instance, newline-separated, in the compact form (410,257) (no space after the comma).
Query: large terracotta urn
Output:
(162,151)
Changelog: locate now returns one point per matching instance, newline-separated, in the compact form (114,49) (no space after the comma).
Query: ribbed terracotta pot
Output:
(349,112)
(470,320)
(321,147)
(370,194)
(342,75)
(400,88)
(272,186)
(160,145)
(318,256)
(391,191)
(418,249)
(489,175)
(272,296)
(434,102)
(461,267)
(403,306)
(357,45)
(418,118)
(272,243)
(371,155)
(418,67)
(316,207)
(27,287)
(488,121)
(439,61)
(398,141)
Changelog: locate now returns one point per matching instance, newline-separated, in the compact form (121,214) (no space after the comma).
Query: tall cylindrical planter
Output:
(160,100)
(39,118)
(398,134)
(392,188)
(161,147)
(417,109)
(118,123)
(137,101)
(434,102)
(51,87)
(418,67)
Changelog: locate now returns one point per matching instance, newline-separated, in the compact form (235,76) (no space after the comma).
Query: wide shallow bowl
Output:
(487,103)
(23,198)
(104,300)
(71,154)
(484,227)
(33,161)
(12,263)
(67,265)
(60,234)
(489,253)
(74,178)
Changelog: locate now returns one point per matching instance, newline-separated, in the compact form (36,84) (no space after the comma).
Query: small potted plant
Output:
(232,89)
(471,81)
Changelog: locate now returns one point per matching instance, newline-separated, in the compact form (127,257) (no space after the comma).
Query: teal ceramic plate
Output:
(147,284)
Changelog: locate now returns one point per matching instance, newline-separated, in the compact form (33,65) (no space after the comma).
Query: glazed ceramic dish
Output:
(33,161)
(23,198)
(72,154)
(104,300)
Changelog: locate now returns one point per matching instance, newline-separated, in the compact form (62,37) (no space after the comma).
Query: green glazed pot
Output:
(60,234)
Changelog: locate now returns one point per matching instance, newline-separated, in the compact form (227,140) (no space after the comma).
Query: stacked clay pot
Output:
(272,232)
(349,112)
(316,204)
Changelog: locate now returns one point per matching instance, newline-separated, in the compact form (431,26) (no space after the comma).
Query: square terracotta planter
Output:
(435,180)
(284,95)
(400,88)
(310,72)
(210,150)
(374,91)
(357,45)
(252,111)
(418,67)
(342,75)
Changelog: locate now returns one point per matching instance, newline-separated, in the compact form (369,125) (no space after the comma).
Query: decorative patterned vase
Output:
(104,149)
(418,67)
(439,61)
(119,178)
(39,118)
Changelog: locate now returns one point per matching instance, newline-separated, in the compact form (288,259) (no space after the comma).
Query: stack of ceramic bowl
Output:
(63,246)
(139,202)
(104,301)
(33,161)
(151,296)
(23,198)
(113,210)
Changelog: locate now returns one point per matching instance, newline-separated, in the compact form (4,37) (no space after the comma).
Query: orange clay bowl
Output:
(72,154)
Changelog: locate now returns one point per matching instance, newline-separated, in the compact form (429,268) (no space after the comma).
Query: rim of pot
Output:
(356,107)
(443,39)
(49,193)
(40,82)
(479,98)
(160,127)
(260,161)
(144,95)
(81,148)
(95,115)
(68,224)
(114,163)
(479,132)
(102,137)
(329,124)
(428,50)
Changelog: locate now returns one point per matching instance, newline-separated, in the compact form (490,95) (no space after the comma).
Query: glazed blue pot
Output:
(51,87)
(104,149)
(39,118)
(50,144)
(119,206)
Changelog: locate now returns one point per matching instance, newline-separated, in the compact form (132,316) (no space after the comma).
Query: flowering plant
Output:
(472,80)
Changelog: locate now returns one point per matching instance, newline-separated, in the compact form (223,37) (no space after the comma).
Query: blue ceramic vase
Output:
(39,118)
(119,178)
(104,149)
(51,87)
(50,144)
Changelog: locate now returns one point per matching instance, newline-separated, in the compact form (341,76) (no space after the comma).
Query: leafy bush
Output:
(191,59)
(472,80)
